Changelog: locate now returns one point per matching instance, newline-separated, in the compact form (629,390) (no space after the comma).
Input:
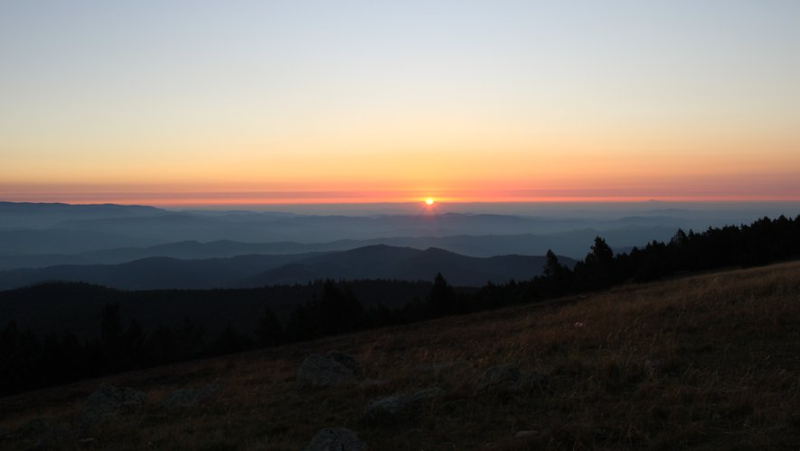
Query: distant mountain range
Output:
(38,236)
(371,262)
(39,215)
(575,243)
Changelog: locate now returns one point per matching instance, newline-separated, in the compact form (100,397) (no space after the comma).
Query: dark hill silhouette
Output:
(152,273)
(52,245)
(389,262)
(371,262)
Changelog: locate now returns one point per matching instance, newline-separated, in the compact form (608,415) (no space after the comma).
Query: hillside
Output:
(703,362)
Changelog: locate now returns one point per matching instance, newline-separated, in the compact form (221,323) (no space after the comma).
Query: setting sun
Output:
(429,201)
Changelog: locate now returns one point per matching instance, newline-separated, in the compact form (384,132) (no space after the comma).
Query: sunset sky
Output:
(260,102)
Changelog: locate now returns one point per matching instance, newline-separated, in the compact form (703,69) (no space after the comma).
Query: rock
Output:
(333,369)
(188,397)
(369,383)
(336,439)
(428,393)
(391,407)
(523,434)
(110,398)
(502,377)
(507,378)
(345,359)
(108,402)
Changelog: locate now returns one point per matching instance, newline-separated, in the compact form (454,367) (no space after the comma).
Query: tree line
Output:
(31,361)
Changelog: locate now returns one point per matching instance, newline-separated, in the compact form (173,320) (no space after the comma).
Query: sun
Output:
(429,201)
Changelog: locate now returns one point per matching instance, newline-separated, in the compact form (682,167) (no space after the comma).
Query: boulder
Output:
(507,378)
(345,359)
(372,383)
(336,439)
(523,434)
(333,369)
(392,407)
(108,402)
(188,397)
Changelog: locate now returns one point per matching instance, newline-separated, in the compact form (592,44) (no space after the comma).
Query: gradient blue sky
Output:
(227,102)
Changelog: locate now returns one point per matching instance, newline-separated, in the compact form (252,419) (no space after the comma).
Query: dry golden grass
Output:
(705,362)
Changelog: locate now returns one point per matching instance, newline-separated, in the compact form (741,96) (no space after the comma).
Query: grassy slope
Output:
(727,377)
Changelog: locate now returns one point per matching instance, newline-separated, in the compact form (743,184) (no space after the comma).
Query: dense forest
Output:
(32,361)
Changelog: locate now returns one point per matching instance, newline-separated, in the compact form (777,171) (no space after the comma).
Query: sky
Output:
(208,103)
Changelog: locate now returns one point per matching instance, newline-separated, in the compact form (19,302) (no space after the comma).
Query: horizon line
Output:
(194,203)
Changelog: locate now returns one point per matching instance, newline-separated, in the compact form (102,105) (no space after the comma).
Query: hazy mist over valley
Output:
(109,233)
(140,247)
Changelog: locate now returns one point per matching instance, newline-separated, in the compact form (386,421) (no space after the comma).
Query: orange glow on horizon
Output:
(542,189)
(231,199)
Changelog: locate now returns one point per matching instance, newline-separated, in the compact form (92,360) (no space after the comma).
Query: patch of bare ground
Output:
(706,362)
